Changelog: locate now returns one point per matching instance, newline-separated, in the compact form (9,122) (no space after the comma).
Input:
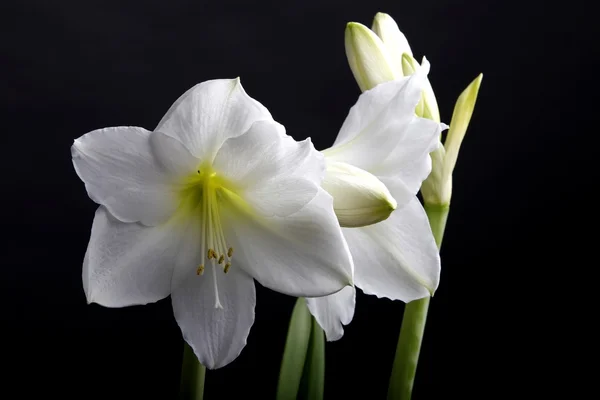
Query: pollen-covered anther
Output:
(200,270)
(230,252)
(211,254)
(227,266)
(221,259)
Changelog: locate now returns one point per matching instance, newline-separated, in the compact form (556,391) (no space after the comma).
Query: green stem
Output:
(295,352)
(438,215)
(316,363)
(413,322)
(192,376)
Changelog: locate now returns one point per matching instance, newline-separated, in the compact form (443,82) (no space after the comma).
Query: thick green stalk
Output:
(438,215)
(295,352)
(192,376)
(316,363)
(413,323)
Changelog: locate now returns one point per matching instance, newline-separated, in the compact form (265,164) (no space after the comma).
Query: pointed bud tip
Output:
(391,203)
(470,93)
(354,25)
(356,29)
(381,19)
(380,15)
(477,82)
(409,64)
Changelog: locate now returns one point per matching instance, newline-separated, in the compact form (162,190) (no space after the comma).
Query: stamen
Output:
(214,245)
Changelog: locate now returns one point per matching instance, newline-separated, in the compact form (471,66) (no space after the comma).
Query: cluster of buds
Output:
(383,54)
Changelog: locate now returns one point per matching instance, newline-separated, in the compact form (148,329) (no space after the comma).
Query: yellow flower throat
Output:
(202,196)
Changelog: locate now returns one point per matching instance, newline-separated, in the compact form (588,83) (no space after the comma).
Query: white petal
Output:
(410,160)
(302,254)
(120,172)
(396,258)
(393,39)
(210,113)
(281,197)
(217,335)
(378,122)
(334,311)
(173,156)
(266,152)
(128,263)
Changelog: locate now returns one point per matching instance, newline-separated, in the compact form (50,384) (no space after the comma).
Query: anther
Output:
(200,270)
(230,252)
(221,259)
(211,254)
(227,266)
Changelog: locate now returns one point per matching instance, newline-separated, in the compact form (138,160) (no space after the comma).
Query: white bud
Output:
(359,198)
(367,57)
(393,39)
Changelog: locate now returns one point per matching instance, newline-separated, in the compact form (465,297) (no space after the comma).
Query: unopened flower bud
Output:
(359,198)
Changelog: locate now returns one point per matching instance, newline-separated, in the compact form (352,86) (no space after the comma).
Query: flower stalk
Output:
(413,322)
(313,380)
(302,373)
(192,376)
(294,354)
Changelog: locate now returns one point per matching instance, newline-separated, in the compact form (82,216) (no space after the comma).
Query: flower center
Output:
(203,194)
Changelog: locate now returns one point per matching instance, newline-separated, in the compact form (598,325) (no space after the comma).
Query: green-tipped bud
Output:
(409,64)
(437,188)
(367,57)
(359,198)
(393,39)
(463,110)
(427,107)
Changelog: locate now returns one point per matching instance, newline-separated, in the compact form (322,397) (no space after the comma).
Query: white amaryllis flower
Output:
(396,258)
(215,196)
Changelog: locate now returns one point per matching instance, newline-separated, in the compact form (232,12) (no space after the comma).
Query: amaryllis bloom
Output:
(215,196)
(397,257)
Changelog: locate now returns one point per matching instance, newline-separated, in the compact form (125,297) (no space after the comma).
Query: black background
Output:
(73,66)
